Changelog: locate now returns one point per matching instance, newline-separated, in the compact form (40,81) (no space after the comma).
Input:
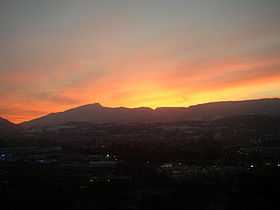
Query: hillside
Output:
(96,113)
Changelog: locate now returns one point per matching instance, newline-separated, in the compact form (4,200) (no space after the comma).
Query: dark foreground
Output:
(52,186)
(229,164)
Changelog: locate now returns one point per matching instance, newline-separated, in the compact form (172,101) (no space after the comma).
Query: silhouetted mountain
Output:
(96,113)
(6,124)
(218,110)
(7,128)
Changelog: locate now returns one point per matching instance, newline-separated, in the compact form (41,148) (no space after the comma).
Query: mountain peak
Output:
(96,104)
(87,107)
(93,105)
(96,113)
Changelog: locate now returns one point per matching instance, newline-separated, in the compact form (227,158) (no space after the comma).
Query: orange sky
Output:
(128,53)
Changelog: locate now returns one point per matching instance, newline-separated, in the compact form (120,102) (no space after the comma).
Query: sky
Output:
(59,54)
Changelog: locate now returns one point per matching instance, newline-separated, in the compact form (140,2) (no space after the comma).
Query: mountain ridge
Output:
(96,113)
(5,122)
(8,128)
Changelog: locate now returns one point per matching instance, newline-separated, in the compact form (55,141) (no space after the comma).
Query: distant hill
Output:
(6,127)
(96,113)
(218,110)
(6,124)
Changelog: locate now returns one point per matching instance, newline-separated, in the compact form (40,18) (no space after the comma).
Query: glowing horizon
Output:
(152,53)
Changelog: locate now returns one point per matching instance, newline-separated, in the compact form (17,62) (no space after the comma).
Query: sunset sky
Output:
(58,54)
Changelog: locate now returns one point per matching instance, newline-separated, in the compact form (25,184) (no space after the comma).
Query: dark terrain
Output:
(223,155)
(96,113)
